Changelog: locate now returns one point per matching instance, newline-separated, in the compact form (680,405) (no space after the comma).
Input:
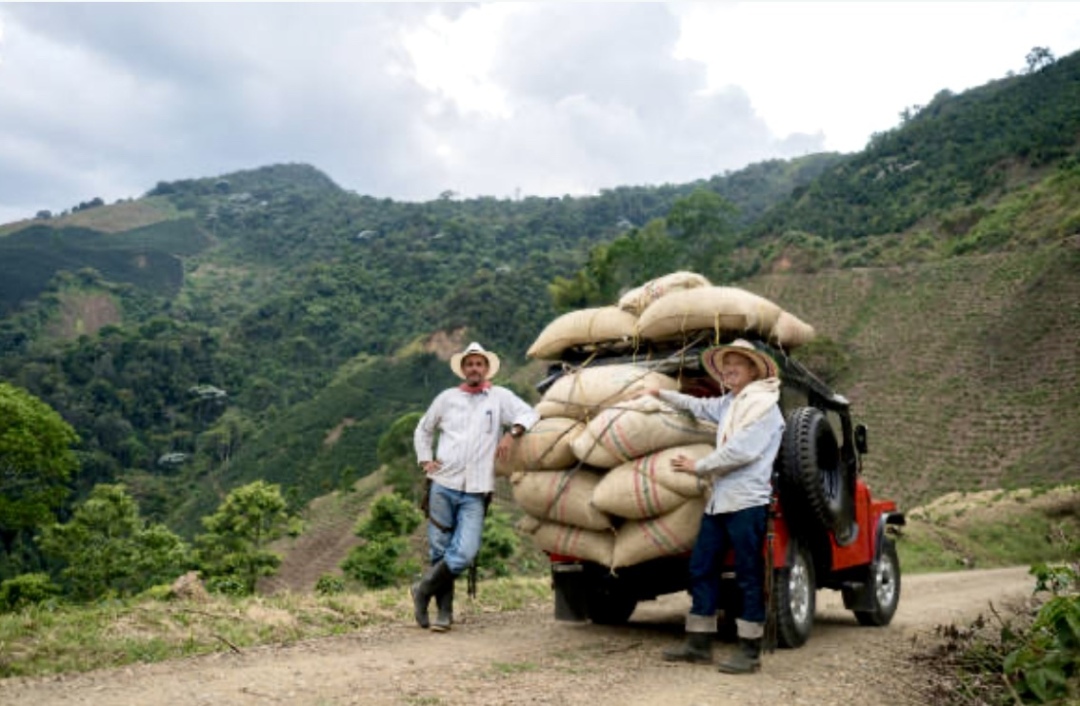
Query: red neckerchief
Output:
(466,387)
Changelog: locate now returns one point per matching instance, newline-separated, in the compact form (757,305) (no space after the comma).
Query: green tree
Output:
(391,515)
(384,559)
(36,463)
(26,590)
(107,548)
(629,260)
(395,452)
(234,546)
(703,223)
(1037,58)
(500,543)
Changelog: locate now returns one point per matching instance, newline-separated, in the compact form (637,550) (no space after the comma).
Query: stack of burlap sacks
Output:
(594,474)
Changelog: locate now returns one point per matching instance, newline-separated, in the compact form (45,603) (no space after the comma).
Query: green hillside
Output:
(269,324)
(965,370)
(957,152)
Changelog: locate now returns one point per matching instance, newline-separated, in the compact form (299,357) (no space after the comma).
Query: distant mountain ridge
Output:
(937,264)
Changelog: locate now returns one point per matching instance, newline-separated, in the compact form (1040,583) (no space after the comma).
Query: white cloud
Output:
(406,100)
(848,69)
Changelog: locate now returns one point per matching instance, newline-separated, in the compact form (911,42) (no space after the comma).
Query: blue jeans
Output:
(744,532)
(462,514)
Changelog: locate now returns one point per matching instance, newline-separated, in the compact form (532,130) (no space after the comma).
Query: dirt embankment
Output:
(528,658)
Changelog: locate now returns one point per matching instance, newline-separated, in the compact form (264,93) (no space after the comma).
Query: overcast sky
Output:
(408,100)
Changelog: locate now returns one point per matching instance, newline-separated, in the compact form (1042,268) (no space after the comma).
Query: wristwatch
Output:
(517,432)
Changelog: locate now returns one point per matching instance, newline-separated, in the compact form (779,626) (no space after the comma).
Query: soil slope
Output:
(528,658)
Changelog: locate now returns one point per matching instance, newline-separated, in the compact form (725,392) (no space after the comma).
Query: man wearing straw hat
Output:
(470,419)
(750,429)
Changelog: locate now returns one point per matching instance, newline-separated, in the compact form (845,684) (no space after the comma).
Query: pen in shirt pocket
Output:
(489,421)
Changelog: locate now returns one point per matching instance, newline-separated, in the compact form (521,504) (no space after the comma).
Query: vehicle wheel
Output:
(884,588)
(796,593)
(811,469)
(609,606)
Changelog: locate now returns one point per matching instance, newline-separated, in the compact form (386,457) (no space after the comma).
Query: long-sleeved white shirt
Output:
(741,467)
(470,426)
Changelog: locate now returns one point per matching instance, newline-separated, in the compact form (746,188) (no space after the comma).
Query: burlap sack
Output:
(583,393)
(528,524)
(633,428)
(562,496)
(624,492)
(575,542)
(657,467)
(638,541)
(716,309)
(546,447)
(588,449)
(583,327)
(637,299)
(791,332)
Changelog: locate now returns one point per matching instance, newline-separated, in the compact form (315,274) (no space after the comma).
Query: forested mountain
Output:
(947,162)
(269,324)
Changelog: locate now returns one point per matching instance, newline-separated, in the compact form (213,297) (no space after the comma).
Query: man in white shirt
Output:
(470,419)
(750,430)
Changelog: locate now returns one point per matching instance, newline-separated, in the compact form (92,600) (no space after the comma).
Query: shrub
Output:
(500,543)
(381,563)
(26,590)
(1033,657)
(329,585)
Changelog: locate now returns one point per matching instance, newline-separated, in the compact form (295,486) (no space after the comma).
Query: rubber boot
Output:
(746,658)
(444,601)
(428,585)
(696,648)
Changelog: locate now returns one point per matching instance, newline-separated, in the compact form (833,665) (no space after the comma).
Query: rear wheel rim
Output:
(799,591)
(885,582)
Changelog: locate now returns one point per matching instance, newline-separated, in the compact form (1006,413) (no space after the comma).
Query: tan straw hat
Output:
(713,358)
(474,349)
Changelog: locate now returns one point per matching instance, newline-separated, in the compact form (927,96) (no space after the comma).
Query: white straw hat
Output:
(713,358)
(474,349)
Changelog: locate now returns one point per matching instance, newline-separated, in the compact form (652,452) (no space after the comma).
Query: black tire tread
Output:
(881,615)
(803,480)
(788,632)
(610,607)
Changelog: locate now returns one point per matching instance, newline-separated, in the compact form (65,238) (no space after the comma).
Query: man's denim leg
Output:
(465,544)
(441,512)
(463,515)
(705,564)
(747,531)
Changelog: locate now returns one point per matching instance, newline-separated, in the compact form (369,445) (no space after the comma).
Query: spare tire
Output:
(812,476)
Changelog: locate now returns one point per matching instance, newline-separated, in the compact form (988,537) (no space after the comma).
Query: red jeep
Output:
(826,529)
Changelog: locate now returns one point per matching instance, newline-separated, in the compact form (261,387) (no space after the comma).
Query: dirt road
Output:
(528,658)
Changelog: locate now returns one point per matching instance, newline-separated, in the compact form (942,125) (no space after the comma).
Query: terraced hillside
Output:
(965,370)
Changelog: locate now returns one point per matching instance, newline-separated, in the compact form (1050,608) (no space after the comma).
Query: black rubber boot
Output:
(428,585)
(745,659)
(697,649)
(444,601)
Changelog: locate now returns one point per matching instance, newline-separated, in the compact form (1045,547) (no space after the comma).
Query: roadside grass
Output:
(57,638)
(958,531)
(989,529)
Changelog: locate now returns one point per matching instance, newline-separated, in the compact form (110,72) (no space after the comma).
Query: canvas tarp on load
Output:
(583,327)
(581,394)
(562,496)
(639,298)
(544,447)
(634,428)
(638,541)
(657,467)
(791,332)
(717,309)
(573,541)
(624,492)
